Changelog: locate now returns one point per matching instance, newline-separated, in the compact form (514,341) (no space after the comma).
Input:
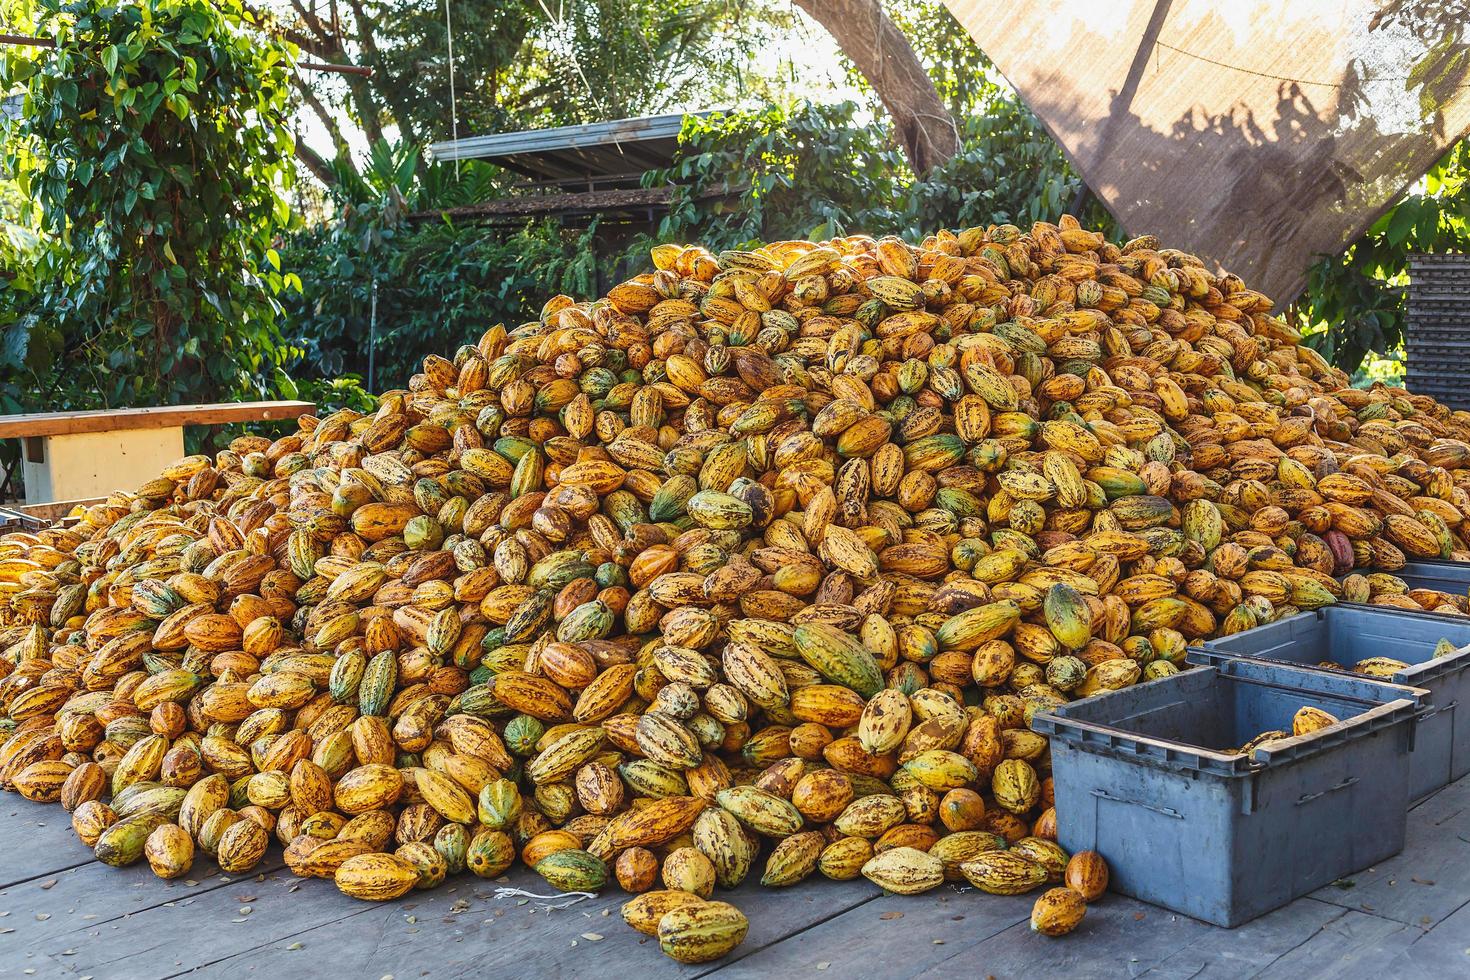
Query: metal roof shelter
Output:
(575,175)
(597,156)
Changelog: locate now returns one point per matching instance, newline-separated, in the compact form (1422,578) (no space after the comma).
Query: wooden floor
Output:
(62,914)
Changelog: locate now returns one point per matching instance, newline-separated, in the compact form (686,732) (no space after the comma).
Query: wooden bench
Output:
(78,455)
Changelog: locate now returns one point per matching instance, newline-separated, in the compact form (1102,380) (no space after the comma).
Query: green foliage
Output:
(963,76)
(149,156)
(520,63)
(816,172)
(812,172)
(1008,170)
(439,284)
(1355,302)
(592,60)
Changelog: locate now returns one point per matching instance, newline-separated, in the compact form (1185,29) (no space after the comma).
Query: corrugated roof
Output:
(577,204)
(621,148)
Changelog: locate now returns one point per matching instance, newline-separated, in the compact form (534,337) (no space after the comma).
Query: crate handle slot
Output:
(1436,709)
(1331,789)
(1103,794)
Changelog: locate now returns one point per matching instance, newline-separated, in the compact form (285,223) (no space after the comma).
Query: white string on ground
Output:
(549,903)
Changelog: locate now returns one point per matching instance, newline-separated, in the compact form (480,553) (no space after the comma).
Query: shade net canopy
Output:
(1257,134)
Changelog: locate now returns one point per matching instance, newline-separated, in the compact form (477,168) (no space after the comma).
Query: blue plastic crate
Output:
(1345,634)
(1145,777)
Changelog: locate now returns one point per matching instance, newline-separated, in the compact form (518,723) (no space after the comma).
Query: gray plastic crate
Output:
(1141,778)
(1443,576)
(1345,634)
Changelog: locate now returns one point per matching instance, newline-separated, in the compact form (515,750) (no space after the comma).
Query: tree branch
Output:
(314,23)
(264,21)
(313,161)
(885,58)
(365,25)
(367,109)
(322,113)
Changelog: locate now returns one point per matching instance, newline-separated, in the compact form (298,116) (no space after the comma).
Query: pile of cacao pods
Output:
(761,564)
(1308,719)
(1387,589)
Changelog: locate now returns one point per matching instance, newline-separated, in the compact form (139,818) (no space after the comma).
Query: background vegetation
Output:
(149,184)
(185,216)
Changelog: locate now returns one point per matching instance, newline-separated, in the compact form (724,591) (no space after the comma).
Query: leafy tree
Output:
(876,47)
(149,157)
(963,76)
(815,171)
(517,63)
(1008,169)
(437,284)
(812,172)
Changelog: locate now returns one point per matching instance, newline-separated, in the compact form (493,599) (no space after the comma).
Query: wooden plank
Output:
(1443,951)
(937,932)
(45,909)
(889,936)
(1353,945)
(1419,887)
(940,933)
(94,464)
(1230,953)
(91,917)
(164,417)
(57,509)
(95,916)
(1119,937)
(1130,939)
(36,840)
(71,913)
(93,920)
(1443,806)
(472,932)
(584,200)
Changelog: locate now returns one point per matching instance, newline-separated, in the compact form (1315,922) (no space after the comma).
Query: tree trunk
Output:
(313,161)
(880,51)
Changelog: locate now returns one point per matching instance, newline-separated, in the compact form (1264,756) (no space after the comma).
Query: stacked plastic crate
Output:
(1438,331)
